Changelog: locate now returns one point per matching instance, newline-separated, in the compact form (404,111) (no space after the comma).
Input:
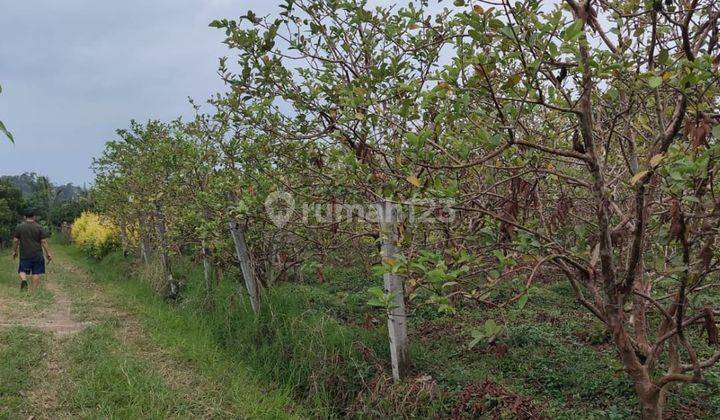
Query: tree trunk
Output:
(271,261)
(397,318)
(646,391)
(144,240)
(164,256)
(123,238)
(145,249)
(207,268)
(243,257)
(674,367)
(639,311)
(650,406)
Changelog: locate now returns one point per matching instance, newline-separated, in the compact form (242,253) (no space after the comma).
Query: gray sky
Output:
(73,71)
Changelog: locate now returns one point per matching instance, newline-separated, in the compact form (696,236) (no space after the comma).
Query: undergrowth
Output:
(321,344)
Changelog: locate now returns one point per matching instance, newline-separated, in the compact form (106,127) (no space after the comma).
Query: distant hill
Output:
(29,183)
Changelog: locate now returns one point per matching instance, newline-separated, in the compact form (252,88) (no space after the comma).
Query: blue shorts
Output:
(32,265)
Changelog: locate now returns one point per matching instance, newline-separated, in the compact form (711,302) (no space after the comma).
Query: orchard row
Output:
(576,141)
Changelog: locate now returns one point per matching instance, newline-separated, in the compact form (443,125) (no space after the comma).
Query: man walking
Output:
(31,238)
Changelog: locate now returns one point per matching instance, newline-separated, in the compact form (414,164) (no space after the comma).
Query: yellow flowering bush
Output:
(94,235)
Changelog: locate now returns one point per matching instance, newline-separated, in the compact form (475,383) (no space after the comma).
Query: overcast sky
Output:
(73,71)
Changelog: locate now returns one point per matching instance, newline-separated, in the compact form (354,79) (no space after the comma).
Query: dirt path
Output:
(102,356)
(94,306)
(47,310)
(54,319)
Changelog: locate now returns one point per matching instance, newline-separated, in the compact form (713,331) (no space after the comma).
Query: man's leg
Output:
(23,280)
(35,282)
(38,268)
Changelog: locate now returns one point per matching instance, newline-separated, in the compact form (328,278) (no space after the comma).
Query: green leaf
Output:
(6,132)
(435,275)
(573,31)
(491,329)
(377,297)
(490,325)
(376,303)
(522,301)
(497,24)
(716,131)
(412,138)
(655,81)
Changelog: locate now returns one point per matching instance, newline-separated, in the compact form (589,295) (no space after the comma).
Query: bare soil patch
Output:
(56,318)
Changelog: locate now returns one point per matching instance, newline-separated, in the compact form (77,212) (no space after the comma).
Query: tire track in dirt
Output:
(55,319)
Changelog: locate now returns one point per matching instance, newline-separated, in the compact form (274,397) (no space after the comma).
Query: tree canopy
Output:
(574,140)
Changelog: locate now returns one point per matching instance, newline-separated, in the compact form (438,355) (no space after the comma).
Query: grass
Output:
(21,354)
(324,347)
(555,353)
(308,354)
(25,304)
(109,382)
(144,361)
(21,349)
(186,339)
